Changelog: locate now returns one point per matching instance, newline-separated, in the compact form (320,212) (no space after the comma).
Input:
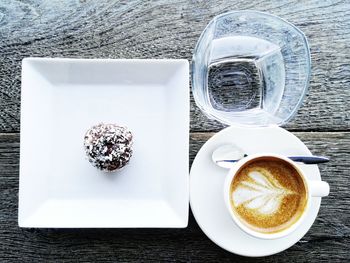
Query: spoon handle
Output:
(309,159)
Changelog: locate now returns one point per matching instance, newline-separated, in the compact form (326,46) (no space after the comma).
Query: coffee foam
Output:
(268,195)
(260,192)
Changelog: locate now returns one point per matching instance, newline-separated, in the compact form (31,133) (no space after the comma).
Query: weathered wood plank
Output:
(170,29)
(329,238)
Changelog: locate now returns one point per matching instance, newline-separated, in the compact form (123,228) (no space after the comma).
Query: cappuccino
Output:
(268,195)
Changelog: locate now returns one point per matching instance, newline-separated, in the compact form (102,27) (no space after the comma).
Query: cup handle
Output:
(318,188)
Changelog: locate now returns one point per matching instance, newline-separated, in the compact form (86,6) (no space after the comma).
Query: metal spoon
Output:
(227,154)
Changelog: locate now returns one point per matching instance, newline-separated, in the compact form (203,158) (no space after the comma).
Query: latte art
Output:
(268,195)
(261,193)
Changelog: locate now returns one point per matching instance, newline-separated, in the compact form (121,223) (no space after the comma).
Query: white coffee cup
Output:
(313,189)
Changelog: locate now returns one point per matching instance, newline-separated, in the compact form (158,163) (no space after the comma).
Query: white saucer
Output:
(206,189)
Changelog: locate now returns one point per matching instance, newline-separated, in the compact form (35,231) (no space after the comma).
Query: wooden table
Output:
(170,29)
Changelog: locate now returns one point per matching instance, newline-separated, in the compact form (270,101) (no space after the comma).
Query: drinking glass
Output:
(250,68)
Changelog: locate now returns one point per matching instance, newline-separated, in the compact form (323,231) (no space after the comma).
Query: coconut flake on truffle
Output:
(108,146)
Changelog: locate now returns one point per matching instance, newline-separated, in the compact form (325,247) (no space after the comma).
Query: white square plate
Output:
(61,99)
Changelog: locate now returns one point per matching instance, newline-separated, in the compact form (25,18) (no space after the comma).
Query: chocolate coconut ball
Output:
(108,146)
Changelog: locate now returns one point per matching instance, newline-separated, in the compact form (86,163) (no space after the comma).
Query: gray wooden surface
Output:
(170,29)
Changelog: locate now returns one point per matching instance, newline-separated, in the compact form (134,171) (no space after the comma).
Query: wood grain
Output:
(170,29)
(329,238)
